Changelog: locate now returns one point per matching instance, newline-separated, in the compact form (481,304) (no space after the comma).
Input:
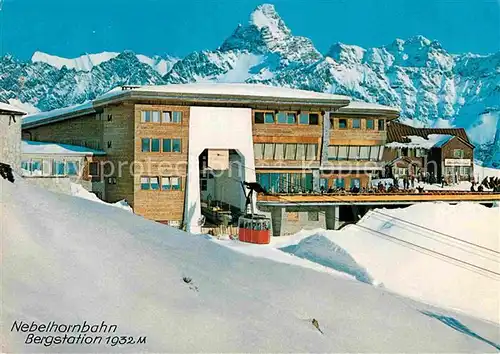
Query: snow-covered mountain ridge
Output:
(431,86)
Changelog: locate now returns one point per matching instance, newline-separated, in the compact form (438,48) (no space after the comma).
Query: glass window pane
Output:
(312,151)
(58,168)
(284,182)
(145,145)
(145,183)
(268,151)
(381,124)
(301,151)
(342,123)
(176,183)
(356,123)
(374,150)
(333,152)
(167,145)
(291,118)
(176,145)
(279,152)
(355,182)
(342,154)
(308,182)
(339,183)
(155,185)
(177,117)
(304,118)
(263,179)
(381,153)
(313,118)
(269,117)
(290,150)
(167,117)
(72,167)
(258,151)
(259,117)
(364,153)
(282,118)
(274,182)
(370,124)
(155,117)
(165,183)
(25,165)
(155,145)
(146,116)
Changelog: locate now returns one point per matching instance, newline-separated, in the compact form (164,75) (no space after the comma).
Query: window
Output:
(364,153)
(355,183)
(258,150)
(356,123)
(176,145)
(176,183)
(333,151)
(312,216)
(282,118)
(145,116)
(259,117)
(301,151)
(311,151)
(279,152)
(176,117)
(25,165)
(269,118)
(381,124)
(167,145)
(145,143)
(342,123)
(342,155)
(313,118)
(110,144)
(167,117)
(339,182)
(155,145)
(353,152)
(155,185)
(291,118)
(304,118)
(374,151)
(268,151)
(290,151)
(110,117)
(165,183)
(420,153)
(458,153)
(370,124)
(72,167)
(155,117)
(145,183)
(58,168)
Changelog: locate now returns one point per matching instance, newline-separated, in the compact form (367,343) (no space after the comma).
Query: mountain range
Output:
(431,86)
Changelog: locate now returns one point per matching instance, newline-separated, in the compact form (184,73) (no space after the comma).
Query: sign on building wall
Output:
(457,162)
(218,160)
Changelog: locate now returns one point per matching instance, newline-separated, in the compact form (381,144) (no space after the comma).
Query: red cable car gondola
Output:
(253,228)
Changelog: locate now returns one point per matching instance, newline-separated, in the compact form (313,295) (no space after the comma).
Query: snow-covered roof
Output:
(36,119)
(228,90)
(42,148)
(369,108)
(433,140)
(7,108)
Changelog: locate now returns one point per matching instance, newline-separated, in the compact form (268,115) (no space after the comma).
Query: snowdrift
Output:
(70,260)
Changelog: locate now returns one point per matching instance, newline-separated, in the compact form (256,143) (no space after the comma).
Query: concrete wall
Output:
(10,141)
(205,132)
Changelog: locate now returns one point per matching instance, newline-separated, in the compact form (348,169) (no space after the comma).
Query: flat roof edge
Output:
(58,118)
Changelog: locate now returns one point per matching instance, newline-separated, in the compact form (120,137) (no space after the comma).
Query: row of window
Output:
(271,151)
(49,167)
(304,118)
(160,145)
(338,183)
(461,170)
(357,153)
(167,183)
(161,116)
(356,124)
(285,182)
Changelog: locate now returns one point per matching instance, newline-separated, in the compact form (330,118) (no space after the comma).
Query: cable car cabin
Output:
(254,229)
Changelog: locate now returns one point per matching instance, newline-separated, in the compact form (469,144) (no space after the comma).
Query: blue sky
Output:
(72,27)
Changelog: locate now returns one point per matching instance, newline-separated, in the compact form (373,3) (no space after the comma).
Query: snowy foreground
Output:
(70,260)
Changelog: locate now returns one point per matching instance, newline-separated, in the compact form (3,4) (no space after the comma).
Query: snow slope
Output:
(363,251)
(67,259)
